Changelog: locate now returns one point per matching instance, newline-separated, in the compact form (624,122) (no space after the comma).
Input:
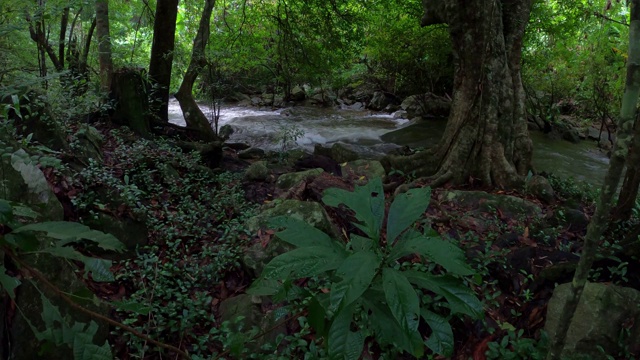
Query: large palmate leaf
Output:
(8,282)
(401,299)
(357,272)
(459,297)
(405,210)
(366,201)
(441,339)
(68,232)
(303,262)
(344,344)
(298,233)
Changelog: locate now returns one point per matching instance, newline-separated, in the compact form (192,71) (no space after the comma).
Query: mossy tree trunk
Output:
(486,136)
(104,44)
(193,116)
(164,30)
(129,90)
(620,150)
(626,203)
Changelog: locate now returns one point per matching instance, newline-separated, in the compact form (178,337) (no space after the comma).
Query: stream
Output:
(375,134)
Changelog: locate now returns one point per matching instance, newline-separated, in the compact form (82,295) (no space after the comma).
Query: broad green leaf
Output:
(441,339)
(344,344)
(357,272)
(317,316)
(387,329)
(410,242)
(359,243)
(447,254)
(8,282)
(405,210)
(135,307)
(26,241)
(6,212)
(264,287)
(303,262)
(95,352)
(460,298)
(366,201)
(298,233)
(401,299)
(100,269)
(69,232)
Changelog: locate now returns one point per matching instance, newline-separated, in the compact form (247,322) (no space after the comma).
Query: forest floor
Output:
(197,237)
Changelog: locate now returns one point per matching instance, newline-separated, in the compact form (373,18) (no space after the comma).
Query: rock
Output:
(251,153)
(257,171)
(319,161)
(225,132)
(539,187)
(343,153)
(287,181)
(379,101)
(338,151)
(509,205)
(574,219)
(571,135)
(400,114)
(426,105)
(256,101)
(89,145)
(324,97)
(363,170)
(603,313)
(298,93)
(391,108)
(236,97)
(357,106)
(257,256)
(238,146)
(24,182)
(130,232)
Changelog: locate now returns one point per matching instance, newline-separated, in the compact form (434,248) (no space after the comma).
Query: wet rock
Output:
(298,93)
(379,101)
(571,135)
(319,161)
(343,153)
(391,108)
(256,101)
(287,181)
(257,171)
(400,114)
(509,205)
(225,132)
(539,187)
(357,106)
(251,153)
(238,146)
(320,150)
(603,313)
(426,105)
(363,170)
(326,181)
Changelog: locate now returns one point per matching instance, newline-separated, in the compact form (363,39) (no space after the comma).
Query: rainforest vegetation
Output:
(136,221)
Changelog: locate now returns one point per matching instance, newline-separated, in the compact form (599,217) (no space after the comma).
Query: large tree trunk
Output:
(104,44)
(193,116)
(631,182)
(486,136)
(164,31)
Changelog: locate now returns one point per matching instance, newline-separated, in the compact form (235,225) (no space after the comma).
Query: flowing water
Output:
(372,135)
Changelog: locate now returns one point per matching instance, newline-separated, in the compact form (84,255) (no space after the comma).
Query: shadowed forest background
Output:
(343,179)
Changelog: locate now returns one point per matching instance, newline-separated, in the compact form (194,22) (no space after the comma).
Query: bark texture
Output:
(164,30)
(104,44)
(486,136)
(599,221)
(193,116)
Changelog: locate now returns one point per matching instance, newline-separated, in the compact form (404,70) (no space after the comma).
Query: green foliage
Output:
(370,293)
(57,241)
(515,347)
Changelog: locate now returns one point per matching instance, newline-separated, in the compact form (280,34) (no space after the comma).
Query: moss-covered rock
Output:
(604,312)
(257,256)
(539,187)
(257,171)
(287,181)
(251,153)
(89,145)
